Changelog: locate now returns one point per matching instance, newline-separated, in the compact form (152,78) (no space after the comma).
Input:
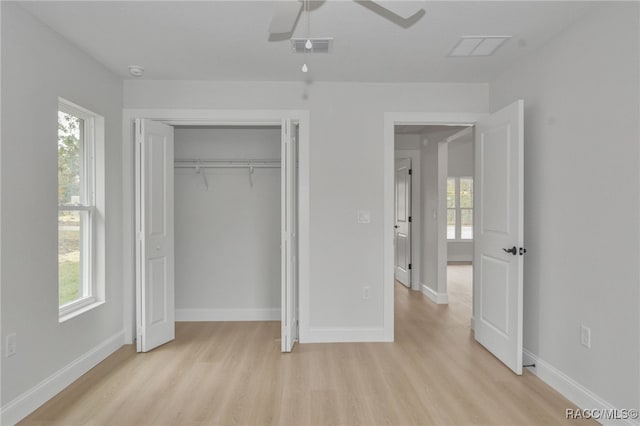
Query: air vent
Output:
(478,45)
(319,45)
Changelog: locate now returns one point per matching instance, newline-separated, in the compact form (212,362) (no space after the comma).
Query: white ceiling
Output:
(228,40)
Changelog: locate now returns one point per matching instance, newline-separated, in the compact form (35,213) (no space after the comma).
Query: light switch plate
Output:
(364,216)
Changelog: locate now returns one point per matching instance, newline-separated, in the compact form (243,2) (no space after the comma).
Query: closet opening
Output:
(217,220)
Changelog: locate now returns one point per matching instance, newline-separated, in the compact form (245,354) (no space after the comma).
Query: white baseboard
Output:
(572,390)
(29,401)
(228,315)
(435,297)
(344,335)
(459,258)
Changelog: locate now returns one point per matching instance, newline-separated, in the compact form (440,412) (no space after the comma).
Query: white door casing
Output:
(155,309)
(402,227)
(498,234)
(289,235)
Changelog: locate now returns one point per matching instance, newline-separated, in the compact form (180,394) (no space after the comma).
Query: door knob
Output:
(513,250)
(396,226)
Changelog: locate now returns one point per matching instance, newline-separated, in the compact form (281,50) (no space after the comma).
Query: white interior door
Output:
(155,304)
(289,228)
(498,246)
(403,221)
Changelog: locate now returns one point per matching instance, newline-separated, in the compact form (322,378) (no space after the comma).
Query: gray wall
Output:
(37,67)
(227,250)
(581,200)
(429,161)
(346,175)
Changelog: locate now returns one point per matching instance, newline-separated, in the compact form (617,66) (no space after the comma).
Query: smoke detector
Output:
(136,70)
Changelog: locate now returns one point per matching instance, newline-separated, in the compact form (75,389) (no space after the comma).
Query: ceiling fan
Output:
(287,13)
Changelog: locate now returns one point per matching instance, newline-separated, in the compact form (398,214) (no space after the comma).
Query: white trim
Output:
(347,335)
(29,401)
(228,314)
(570,389)
(442,243)
(93,255)
(1,227)
(435,297)
(212,117)
(78,307)
(460,257)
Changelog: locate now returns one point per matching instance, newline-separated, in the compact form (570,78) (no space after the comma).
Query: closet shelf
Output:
(244,163)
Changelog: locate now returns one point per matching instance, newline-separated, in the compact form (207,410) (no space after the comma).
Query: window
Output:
(460,208)
(80,210)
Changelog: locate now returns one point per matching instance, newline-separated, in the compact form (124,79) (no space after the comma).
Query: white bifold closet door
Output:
(289,232)
(155,286)
(155,301)
(498,234)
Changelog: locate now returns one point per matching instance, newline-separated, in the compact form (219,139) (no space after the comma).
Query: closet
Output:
(227,209)
(216,226)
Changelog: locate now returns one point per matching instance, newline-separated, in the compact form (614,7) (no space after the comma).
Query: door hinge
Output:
(409,219)
(410,171)
(409,266)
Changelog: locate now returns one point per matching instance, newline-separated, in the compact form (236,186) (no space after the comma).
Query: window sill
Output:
(79,311)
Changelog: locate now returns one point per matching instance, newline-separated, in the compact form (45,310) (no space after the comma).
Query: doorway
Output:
(498,219)
(420,162)
(294,233)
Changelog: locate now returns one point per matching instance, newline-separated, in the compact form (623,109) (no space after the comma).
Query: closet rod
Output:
(247,161)
(227,166)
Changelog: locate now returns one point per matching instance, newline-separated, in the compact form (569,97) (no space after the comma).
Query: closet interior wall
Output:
(227,225)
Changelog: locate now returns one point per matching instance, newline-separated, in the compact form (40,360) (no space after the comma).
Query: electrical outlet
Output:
(585,336)
(366,293)
(11,345)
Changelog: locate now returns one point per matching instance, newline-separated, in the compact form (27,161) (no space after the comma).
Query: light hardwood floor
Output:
(233,374)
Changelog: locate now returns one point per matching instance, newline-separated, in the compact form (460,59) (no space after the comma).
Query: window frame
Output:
(92,206)
(458,210)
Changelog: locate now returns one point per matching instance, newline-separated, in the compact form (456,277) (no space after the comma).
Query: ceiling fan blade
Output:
(403,9)
(401,13)
(285,17)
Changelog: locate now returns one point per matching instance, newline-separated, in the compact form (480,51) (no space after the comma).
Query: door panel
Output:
(498,278)
(157,291)
(495,175)
(403,221)
(155,308)
(496,295)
